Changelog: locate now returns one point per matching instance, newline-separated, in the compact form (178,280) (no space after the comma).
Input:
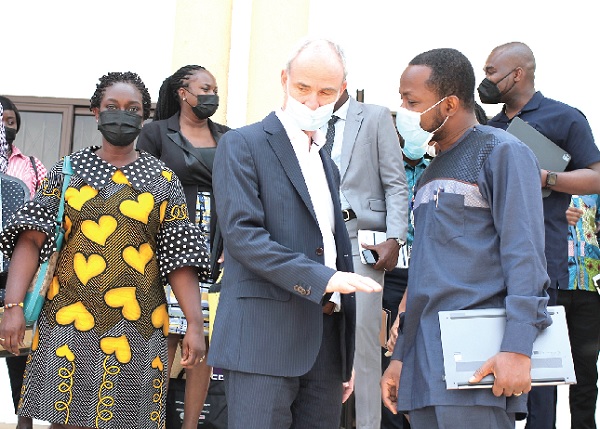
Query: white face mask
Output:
(416,139)
(305,118)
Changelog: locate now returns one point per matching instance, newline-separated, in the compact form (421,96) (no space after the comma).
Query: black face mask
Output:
(207,105)
(489,92)
(11,134)
(119,127)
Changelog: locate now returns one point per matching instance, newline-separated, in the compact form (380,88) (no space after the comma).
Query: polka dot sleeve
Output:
(180,242)
(38,214)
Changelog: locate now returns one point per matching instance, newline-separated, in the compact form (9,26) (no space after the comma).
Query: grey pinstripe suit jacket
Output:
(270,317)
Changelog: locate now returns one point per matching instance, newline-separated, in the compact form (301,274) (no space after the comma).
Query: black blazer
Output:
(163,140)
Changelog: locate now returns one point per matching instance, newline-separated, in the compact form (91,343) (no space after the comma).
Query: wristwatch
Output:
(397,240)
(550,179)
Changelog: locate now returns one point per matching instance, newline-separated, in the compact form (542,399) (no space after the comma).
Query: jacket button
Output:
(301,290)
(319,251)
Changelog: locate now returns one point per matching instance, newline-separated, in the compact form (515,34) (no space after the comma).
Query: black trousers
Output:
(16,368)
(583,320)
(393,291)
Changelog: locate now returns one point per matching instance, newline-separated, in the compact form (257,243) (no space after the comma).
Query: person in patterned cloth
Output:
(31,171)
(99,356)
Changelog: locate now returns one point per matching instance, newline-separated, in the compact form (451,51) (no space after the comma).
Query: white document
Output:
(596,280)
(368,236)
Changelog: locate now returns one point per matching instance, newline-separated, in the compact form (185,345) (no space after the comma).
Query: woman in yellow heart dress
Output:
(99,357)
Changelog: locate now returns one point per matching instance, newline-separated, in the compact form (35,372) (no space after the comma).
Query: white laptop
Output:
(470,337)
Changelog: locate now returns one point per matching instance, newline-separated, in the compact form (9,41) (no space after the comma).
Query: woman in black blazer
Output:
(185,139)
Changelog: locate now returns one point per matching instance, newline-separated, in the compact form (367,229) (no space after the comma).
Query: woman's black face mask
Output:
(119,127)
(11,134)
(206,106)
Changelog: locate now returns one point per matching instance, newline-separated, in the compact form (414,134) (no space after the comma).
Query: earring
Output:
(184,99)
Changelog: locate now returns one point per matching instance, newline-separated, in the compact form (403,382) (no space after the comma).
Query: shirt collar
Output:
(421,164)
(342,111)
(534,103)
(16,153)
(97,173)
(298,137)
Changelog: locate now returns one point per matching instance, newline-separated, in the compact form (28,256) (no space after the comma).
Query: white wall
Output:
(379,36)
(60,48)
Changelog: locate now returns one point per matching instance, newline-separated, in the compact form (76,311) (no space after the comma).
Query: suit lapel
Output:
(354,119)
(281,145)
(191,157)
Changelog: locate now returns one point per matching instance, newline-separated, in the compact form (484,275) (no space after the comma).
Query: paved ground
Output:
(8,419)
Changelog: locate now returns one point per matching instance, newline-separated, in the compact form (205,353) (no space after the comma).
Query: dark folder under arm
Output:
(550,156)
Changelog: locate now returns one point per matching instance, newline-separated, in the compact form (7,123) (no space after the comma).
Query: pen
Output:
(436,197)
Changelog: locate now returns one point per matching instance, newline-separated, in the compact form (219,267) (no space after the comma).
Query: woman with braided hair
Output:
(184,137)
(99,356)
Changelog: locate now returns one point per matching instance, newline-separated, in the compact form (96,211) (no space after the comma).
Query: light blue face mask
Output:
(416,139)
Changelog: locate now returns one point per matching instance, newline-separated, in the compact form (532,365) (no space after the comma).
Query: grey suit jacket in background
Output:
(372,171)
(270,320)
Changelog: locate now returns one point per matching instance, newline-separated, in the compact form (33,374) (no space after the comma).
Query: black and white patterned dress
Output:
(99,358)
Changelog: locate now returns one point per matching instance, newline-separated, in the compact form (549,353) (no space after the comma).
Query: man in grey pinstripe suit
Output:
(287,351)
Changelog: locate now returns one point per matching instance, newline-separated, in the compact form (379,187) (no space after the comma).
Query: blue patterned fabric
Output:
(584,253)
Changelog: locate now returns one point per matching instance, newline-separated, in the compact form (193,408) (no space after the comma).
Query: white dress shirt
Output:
(311,165)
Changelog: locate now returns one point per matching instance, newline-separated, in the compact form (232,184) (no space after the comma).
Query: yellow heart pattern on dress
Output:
(167,175)
(163,210)
(99,231)
(117,345)
(76,198)
(157,364)
(138,259)
(76,314)
(68,225)
(124,297)
(160,318)
(120,178)
(65,351)
(53,288)
(140,209)
(88,268)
